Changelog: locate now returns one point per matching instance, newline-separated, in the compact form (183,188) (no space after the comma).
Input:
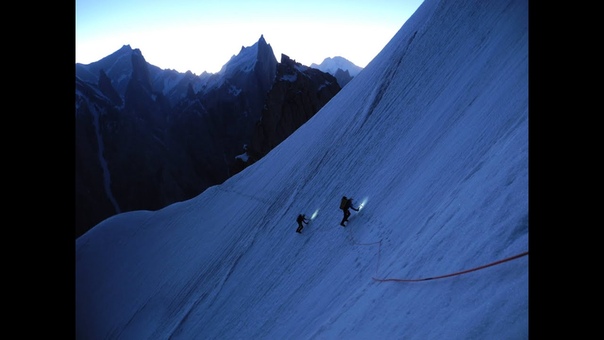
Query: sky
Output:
(431,141)
(198,36)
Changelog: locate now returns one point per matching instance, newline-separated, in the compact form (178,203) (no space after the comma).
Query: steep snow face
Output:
(432,136)
(244,61)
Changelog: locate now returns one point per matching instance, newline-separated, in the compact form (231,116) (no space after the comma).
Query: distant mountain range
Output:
(339,67)
(148,137)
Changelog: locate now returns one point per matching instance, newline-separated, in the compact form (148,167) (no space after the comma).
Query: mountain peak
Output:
(331,65)
(249,56)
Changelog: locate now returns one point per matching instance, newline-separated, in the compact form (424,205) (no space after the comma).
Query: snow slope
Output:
(432,136)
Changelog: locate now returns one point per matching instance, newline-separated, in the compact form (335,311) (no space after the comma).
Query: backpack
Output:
(343,202)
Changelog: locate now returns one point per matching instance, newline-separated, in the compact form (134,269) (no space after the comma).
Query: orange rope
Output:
(379,244)
(457,273)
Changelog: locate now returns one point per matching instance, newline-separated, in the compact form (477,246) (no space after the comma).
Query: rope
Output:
(379,252)
(457,273)
(378,243)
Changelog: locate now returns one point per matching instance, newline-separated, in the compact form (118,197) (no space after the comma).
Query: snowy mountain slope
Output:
(432,135)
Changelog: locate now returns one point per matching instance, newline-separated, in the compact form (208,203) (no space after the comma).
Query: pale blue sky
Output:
(203,35)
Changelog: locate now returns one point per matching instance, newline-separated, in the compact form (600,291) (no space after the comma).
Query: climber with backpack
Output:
(301,219)
(345,204)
